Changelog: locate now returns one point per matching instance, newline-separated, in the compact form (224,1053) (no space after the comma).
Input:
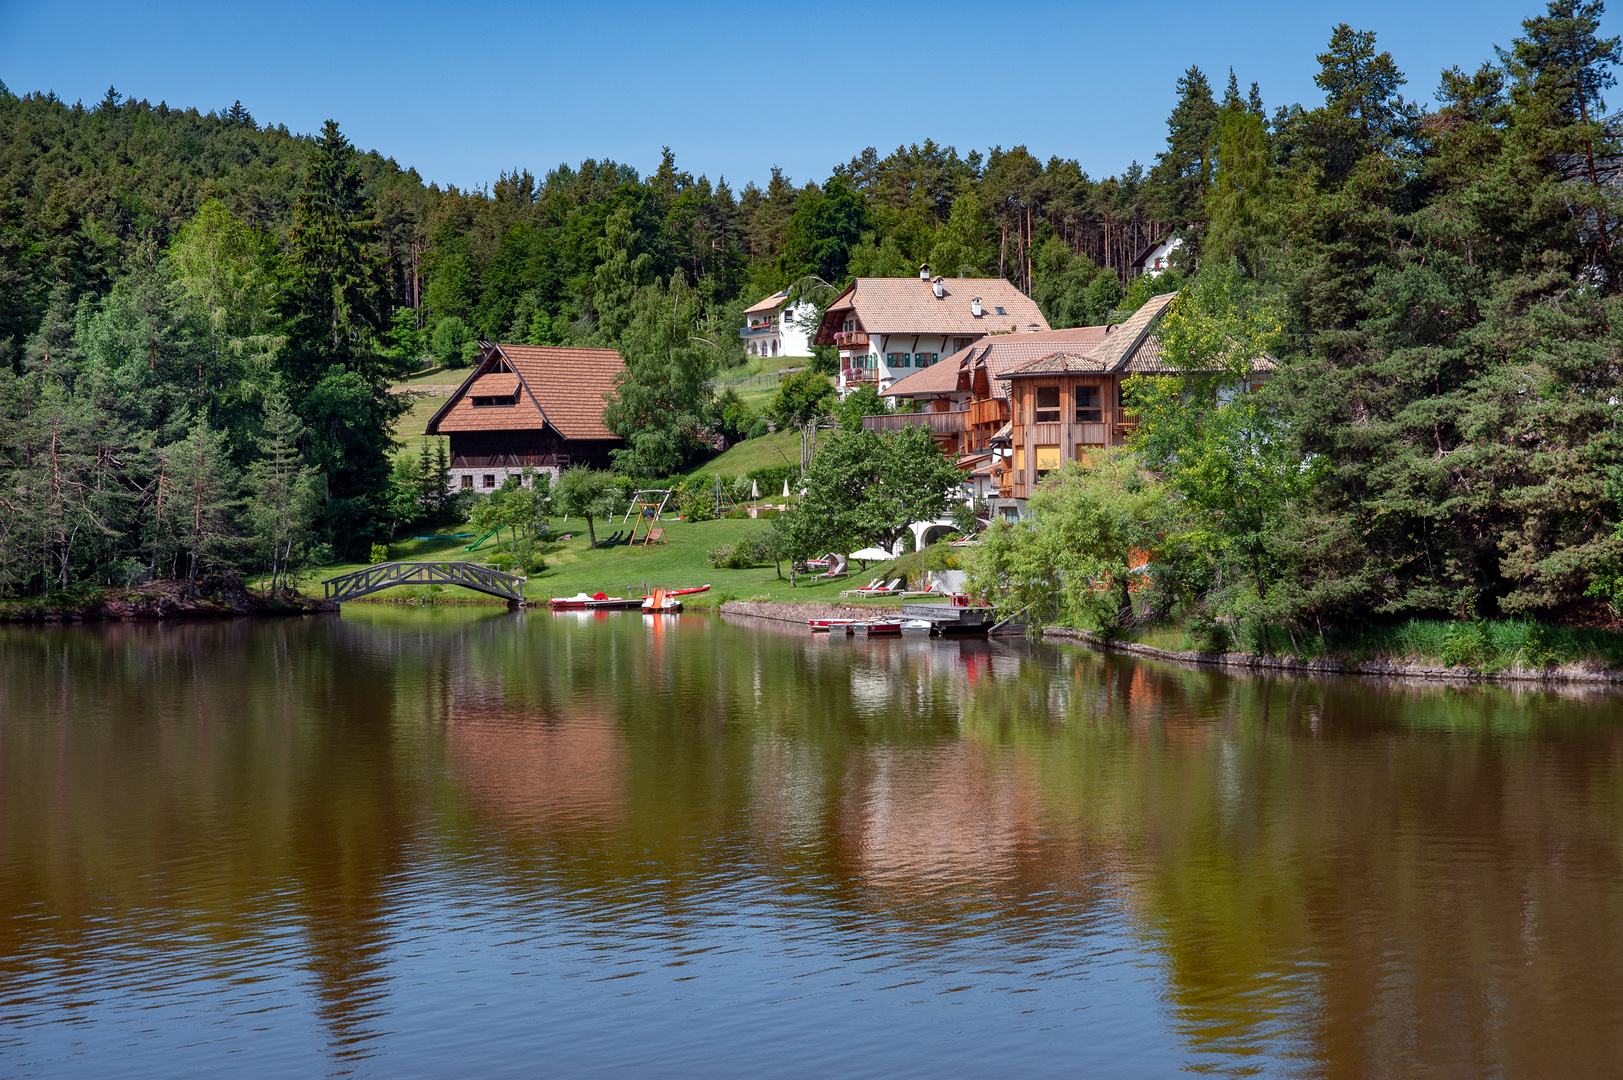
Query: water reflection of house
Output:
(535,769)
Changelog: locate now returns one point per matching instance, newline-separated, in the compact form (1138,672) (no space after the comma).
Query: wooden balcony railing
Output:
(989,411)
(850,339)
(853,376)
(509,461)
(940,423)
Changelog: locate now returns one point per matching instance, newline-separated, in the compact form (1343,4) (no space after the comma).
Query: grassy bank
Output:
(574,566)
(1488,646)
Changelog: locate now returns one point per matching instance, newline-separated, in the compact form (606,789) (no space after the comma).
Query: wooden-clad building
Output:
(1012,407)
(526,406)
(1070,402)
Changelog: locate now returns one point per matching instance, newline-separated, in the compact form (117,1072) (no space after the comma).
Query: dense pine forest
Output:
(200,317)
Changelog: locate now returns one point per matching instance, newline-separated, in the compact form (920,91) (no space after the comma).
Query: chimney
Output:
(940,289)
(924,271)
(975,307)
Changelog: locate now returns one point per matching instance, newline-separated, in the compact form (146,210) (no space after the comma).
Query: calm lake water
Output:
(477,843)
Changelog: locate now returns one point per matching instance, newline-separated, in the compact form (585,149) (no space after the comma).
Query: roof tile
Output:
(565,387)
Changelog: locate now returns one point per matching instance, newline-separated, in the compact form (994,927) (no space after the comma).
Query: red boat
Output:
(602,602)
(595,602)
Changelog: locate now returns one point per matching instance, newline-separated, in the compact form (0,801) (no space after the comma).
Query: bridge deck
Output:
(387,575)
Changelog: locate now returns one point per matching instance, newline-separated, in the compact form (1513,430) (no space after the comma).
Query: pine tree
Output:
(1183,171)
(198,514)
(283,494)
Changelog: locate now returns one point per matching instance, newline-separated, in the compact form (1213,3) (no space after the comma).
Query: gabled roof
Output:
(1056,364)
(910,306)
(1000,353)
(1124,341)
(561,388)
(771,303)
(1134,347)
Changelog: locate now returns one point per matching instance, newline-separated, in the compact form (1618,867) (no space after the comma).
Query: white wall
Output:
(884,348)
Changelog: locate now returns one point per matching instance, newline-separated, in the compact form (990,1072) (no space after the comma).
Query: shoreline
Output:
(162,602)
(1291,665)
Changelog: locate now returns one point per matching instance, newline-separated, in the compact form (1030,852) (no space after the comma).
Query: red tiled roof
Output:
(495,384)
(909,306)
(771,303)
(565,388)
(1120,347)
(1001,353)
(1055,364)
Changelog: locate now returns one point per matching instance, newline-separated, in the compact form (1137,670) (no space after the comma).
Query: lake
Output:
(471,842)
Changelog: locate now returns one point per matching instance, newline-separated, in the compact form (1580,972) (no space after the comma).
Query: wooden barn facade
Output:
(526,406)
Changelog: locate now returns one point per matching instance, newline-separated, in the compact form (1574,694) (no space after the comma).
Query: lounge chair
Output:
(894,586)
(864,589)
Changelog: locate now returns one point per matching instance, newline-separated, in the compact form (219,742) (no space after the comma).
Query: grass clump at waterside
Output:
(1490,645)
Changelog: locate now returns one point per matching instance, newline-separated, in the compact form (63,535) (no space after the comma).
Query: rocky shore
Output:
(213,597)
(801,613)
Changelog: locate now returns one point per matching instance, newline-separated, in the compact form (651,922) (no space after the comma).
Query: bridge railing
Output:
(375,578)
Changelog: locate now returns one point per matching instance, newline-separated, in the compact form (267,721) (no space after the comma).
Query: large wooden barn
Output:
(526,406)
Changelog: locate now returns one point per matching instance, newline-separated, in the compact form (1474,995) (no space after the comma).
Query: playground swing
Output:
(649,505)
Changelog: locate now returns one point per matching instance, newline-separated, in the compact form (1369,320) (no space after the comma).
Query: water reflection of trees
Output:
(1365,877)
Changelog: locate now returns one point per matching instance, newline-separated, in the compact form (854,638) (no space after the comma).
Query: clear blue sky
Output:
(465,91)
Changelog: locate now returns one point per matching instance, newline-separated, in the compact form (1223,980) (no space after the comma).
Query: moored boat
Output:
(831,626)
(594,602)
(878,627)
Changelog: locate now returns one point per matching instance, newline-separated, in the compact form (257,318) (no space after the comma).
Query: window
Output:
(1020,460)
(1047,405)
(1121,395)
(1087,405)
(1047,459)
(490,480)
(488,402)
(1000,311)
(906,360)
(890,358)
(467,483)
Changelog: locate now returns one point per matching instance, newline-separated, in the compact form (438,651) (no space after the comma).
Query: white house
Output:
(1157,257)
(886,328)
(774,328)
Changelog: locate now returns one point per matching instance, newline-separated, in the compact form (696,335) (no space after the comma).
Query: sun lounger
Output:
(895,586)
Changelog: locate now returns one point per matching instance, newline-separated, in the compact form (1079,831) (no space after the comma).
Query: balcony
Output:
(851,339)
(988,411)
(509,461)
(853,376)
(753,329)
(939,423)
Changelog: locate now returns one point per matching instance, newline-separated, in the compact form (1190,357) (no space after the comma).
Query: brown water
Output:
(473,844)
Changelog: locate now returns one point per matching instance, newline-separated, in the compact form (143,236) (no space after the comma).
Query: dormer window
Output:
(489,402)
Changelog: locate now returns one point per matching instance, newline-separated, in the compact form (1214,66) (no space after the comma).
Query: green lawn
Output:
(779,448)
(573,566)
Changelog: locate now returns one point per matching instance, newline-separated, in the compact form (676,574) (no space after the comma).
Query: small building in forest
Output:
(527,406)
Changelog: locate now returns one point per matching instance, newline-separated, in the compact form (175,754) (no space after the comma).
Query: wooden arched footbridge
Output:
(371,579)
